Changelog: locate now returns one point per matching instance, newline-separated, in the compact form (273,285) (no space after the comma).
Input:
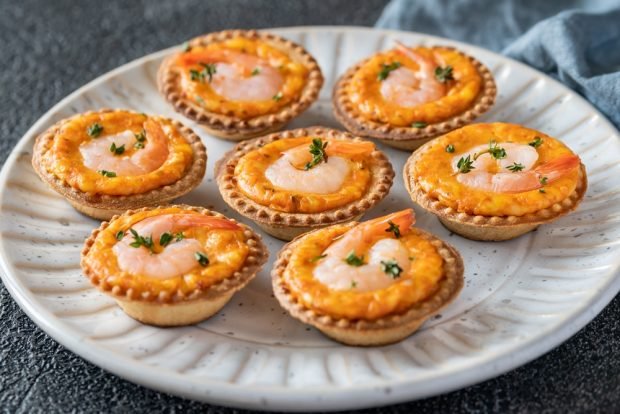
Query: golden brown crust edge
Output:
(104,207)
(286,226)
(495,228)
(382,331)
(230,127)
(201,303)
(407,138)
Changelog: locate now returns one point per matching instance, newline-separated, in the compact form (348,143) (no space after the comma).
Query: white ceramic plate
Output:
(521,298)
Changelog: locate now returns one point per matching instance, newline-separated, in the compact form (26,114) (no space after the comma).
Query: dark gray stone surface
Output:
(50,48)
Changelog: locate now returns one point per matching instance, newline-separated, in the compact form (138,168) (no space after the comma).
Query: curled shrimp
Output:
(408,88)
(97,155)
(288,171)
(489,174)
(174,259)
(239,76)
(369,239)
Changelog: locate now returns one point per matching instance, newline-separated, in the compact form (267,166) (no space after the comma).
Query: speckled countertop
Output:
(50,48)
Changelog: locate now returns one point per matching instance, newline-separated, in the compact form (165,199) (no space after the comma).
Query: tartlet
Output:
(245,177)
(117,260)
(379,304)
(263,82)
(495,208)
(106,162)
(461,89)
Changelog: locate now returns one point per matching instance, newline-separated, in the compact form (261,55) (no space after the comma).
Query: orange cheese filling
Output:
(251,180)
(65,160)
(293,76)
(435,175)
(226,250)
(364,90)
(420,282)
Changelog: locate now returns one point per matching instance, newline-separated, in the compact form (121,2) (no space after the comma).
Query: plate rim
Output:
(323,397)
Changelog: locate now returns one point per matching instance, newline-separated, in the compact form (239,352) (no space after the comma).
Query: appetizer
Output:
(109,161)
(296,181)
(172,266)
(240,84)
(408,95)
(495,181)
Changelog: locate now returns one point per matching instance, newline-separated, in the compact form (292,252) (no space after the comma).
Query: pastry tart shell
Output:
(104,207)
(491,228)
(408,138)
(166,308)
(233,128)
(382,331)
(287,226)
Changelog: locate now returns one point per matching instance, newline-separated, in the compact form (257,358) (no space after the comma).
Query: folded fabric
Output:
(580,47)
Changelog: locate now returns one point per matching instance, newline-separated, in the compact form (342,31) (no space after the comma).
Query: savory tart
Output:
(110,161)
(408,95)
(369,283)
(172,266)
(495,181)
(240,84)
(299,180)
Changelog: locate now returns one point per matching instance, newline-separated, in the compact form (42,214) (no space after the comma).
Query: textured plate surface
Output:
(521,298)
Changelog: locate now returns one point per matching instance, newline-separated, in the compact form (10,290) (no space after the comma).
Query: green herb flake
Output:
(120,235)
(544,180)
(277,96)
(317,149)
(465,165)
(541,190)
(391,268)
(353,284)
(419,124)
(207,72)
(105,173)
(386,69)
(317,258)
(201,258)
(450,148)
(516,167)
(138,145)
(139,241)
(141,136)
(117,150)
(179,236)
(394,228)
(165,239)
(255,71)
(444,74)
(353,260)
(94,130)
(536,143)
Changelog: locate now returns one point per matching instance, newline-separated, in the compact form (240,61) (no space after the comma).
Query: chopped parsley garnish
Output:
(391,268)
(255,72)
(516,167)
(386,69)
(354,260)
(165,239)
(141,241)
(317,258)
(317,149)
(277,96)
(141,136)
(201,258)
(207,72)
(496,151)
(419,124)
(541,190)
(179,236)
(465,165)
(117,150)
(443,74)
(394,228)
(110,174)
(450,148)
(94,130)
(536,143)
(138,145)
(544,180)
(200,101)
(120,235)
(353,284)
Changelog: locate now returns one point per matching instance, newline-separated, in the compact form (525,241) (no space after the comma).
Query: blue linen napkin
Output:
(575,41)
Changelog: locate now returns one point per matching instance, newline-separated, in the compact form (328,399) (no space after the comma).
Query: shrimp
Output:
(176,258)
(371,239)
(327,177)
(97,155)
(408,88)
(239,76)
(489,174)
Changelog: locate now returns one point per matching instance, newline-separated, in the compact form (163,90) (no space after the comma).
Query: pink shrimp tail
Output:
(558,167)
(404,219)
